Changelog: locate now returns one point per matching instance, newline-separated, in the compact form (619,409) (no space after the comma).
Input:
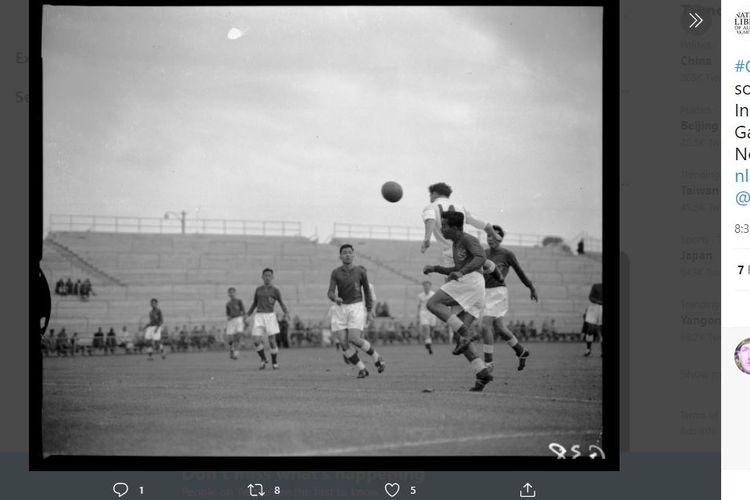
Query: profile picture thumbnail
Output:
(742,356)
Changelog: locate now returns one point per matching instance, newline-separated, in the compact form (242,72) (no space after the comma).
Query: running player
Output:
(347,286)
(235,322)
(496,300)
(592,319)
(464,288)
(265,322)
(425,319)
(153,330)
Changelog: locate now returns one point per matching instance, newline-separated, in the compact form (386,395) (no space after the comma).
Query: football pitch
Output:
(204,404)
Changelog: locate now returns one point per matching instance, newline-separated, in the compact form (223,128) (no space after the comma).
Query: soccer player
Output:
(496,300)
(235,322)
(265,321)
(153,331)
(347,287)
(592,319)
(425,319)
(464,288)
(431,216)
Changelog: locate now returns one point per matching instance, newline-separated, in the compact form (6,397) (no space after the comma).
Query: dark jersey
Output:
(504,259)
(155,318)
(265,298)
(466,249)
(595,295)
(350,283)
(235,308)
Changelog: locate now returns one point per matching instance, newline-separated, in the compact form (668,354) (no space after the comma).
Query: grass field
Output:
(204,404)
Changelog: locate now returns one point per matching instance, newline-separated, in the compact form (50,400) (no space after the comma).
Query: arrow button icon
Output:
(527,491)
(258,487)
(697,20)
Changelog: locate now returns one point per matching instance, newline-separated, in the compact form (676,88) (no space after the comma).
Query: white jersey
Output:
(423,298)
(433,211)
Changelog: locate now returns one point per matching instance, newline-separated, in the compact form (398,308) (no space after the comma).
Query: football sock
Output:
(477,365)
(274,352)
(515,345)
(261,353)
(354,359)
(455,324)
(488,352)
(370,351)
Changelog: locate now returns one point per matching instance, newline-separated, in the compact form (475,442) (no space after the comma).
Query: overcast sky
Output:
(148,110)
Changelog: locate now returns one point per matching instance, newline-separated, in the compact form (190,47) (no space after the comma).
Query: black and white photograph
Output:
(324,232)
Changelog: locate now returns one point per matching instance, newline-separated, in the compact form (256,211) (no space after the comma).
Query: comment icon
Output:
(120,489)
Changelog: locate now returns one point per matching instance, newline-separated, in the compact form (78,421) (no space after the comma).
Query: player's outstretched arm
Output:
(480,224)
(522,276)
(429,227)
(438,269)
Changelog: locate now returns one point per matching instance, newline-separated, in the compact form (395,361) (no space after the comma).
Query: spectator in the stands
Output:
(284,332)
(77,287)
(62,343)
(74,344)
(298,324)
(214,336)
(544,334)
(532,329)
(127,340)
(111,341)
(184,341)
(195,338)
(580,248)
(522,333)
(553,330)
(47,342)
(69,287)
(386,312)
(60,287)
(99,340)
(203,337)
(86,289)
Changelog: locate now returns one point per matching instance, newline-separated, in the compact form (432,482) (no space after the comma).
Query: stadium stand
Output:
(190,274)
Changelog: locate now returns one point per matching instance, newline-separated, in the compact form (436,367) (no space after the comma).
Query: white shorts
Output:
(426,318)
(349,316)
(468,291)
(153,333)
(495,302)
(265,323)
(236,325)
(594,314)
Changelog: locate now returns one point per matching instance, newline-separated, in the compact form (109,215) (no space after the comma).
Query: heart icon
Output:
(391,489)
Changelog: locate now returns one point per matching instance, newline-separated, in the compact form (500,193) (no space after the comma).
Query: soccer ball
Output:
(392,191)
